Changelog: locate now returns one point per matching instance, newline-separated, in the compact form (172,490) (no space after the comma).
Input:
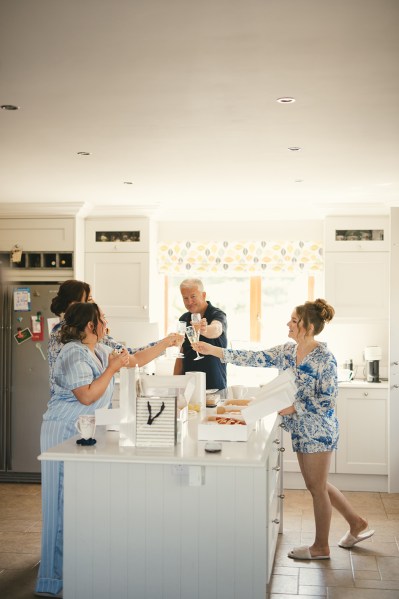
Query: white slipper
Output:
(349,540)
(303,552)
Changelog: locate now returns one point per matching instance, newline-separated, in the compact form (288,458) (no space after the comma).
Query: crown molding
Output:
(44,210)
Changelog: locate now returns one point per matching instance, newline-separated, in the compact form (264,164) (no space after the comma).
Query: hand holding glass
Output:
(181,329)
(193,337)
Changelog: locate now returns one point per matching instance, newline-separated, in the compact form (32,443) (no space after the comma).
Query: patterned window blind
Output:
(182,257)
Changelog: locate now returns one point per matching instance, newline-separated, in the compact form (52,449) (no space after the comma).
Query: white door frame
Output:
(393,409)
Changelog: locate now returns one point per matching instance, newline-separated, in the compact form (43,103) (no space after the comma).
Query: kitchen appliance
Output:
(373,355)
(24,375)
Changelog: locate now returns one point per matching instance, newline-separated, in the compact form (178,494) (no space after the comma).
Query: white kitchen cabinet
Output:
(149,528)
(357,284)
(37,234)
(275,494)
(122,274)
(363,420)
(357,234)
(120,283)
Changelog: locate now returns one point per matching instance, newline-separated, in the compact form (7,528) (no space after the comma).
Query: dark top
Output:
(214,369)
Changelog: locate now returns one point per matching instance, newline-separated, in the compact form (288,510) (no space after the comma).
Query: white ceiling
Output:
(179,97)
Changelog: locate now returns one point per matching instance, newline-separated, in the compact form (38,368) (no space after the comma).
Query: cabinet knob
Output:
(282,496)
(276,521)
(365,393)
(396,363)
(396,386)
(276,468)
(277,441)
(281,449)
(145,307)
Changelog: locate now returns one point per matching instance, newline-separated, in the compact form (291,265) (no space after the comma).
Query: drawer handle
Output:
(276,468)
(282,496)
(276,521)
(276,441)
(281,449)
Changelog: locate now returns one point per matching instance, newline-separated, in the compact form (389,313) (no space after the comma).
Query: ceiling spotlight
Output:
(84,153)
(285,100)
(128,182)
(298,180)
(295,148)
(9,107)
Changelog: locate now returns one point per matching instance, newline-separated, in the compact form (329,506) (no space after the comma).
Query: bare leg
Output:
(314,468)
(342,505)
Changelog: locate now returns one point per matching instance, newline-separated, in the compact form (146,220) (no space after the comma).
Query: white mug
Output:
(239,391)
(345,375)
(86,425)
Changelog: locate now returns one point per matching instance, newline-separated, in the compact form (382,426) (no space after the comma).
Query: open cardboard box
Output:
(211,430)
(273,397)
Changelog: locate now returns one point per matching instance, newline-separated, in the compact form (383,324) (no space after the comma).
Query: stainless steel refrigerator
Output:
(24,375)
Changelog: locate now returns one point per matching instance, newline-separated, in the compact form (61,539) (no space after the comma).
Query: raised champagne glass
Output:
(181,329)
(193,337)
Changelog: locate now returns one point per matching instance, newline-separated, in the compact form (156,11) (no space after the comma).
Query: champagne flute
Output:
(196,321)
(193,337)
(181,329)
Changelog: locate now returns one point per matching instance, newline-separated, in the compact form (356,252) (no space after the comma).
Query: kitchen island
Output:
(171,522)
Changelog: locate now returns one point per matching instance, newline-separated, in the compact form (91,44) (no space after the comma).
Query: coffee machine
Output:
(372,355)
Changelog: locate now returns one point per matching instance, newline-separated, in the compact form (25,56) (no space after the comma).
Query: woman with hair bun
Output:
(311,419)
(72,291)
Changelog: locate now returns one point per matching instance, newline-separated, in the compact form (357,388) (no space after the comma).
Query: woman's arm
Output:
(208,350)
(89,394)
(278,357)
(142,357)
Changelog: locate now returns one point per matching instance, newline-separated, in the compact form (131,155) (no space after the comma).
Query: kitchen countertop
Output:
(362,384)
(253,452)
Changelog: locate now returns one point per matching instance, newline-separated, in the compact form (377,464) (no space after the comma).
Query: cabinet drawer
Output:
(118,235)
(272,532)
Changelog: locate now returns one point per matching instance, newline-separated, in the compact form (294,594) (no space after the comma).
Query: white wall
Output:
(231,231)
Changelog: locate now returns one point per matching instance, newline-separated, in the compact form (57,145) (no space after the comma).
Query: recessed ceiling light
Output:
(9,107)
(298,180)
(295,148)
(128,182)
(84,153)
(285,100)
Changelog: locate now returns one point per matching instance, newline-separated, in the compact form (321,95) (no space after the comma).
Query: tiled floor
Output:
(368,571)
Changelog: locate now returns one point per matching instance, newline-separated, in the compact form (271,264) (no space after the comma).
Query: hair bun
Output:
(326,311)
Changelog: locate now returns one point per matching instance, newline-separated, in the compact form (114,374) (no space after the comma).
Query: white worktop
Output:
(253,452)
(362,384)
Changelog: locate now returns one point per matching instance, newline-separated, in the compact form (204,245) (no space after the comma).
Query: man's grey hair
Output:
(192,283)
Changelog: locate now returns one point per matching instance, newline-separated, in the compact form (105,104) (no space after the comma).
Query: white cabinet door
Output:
(363,444)
(38,234)
(357,284)
(120,283)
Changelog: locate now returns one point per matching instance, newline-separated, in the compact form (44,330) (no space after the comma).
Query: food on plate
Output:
(230,420)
